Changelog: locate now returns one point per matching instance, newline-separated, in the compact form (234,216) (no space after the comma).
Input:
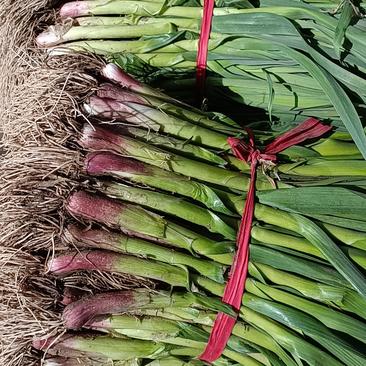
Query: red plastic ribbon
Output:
(202,51)
(235,286)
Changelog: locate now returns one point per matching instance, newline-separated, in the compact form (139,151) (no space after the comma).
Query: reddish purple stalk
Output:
(99,163)
(98,138)
(101,239)
(118,76)
(110,109)
(114,92)
(78,313)
(58,345)
(93,207)
(86,260)
(67,345)
(115,74)
(71,294)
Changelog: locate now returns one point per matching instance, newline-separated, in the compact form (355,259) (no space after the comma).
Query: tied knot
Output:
(248,152)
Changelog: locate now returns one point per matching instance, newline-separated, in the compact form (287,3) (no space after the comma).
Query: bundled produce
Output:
(293,59)
(127,211)
(170,215)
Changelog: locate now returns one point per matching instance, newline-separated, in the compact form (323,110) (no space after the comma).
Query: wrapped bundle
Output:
(291,60)
(120,210)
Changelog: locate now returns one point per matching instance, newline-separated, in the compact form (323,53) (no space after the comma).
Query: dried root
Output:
(40,120)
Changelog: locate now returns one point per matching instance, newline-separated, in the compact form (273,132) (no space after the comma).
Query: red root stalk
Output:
(115,74)
(93,207)
(80,312)
(100,163)
(82,261)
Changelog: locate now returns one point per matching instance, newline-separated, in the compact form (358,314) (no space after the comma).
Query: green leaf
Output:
(270,95)
(308,325)
(347,223)
(335,202)
(343,23)
(300,348)
(337,96)
(289,263)
(280,31)
(332,318)
(333,253)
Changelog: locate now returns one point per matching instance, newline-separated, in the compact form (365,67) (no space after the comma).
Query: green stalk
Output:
(263,235)
(310,166)
(340,297)
(143,94)
(167,331)
(183,147)
(118,242)
(104,163)
(82,360)
(103,48)
(359,256)
(56,35)
(181,23)
(170,205)
(129,217)
(138,172)
(151,118)
(350,237)
(170,361)
(333,147)
(98,260)
(317,202)
(285,220)
(194,316)
(142,8)
(329,168)
(106,347)
(271,237)
(87,308)
(101,139)
(304,266)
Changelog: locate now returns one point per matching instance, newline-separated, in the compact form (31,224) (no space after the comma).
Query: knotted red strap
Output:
(234,288)
(201,61)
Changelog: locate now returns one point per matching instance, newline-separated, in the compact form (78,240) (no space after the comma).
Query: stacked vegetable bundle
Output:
(164,203)
(292,58)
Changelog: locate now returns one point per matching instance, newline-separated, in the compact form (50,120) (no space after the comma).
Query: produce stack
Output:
(163,202)
(141,204)
(291,58)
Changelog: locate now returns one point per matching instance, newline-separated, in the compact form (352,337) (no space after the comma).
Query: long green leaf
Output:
(333,253)
(333,201)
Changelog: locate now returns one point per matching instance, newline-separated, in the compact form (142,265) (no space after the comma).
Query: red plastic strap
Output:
(202,51)
(235,286)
